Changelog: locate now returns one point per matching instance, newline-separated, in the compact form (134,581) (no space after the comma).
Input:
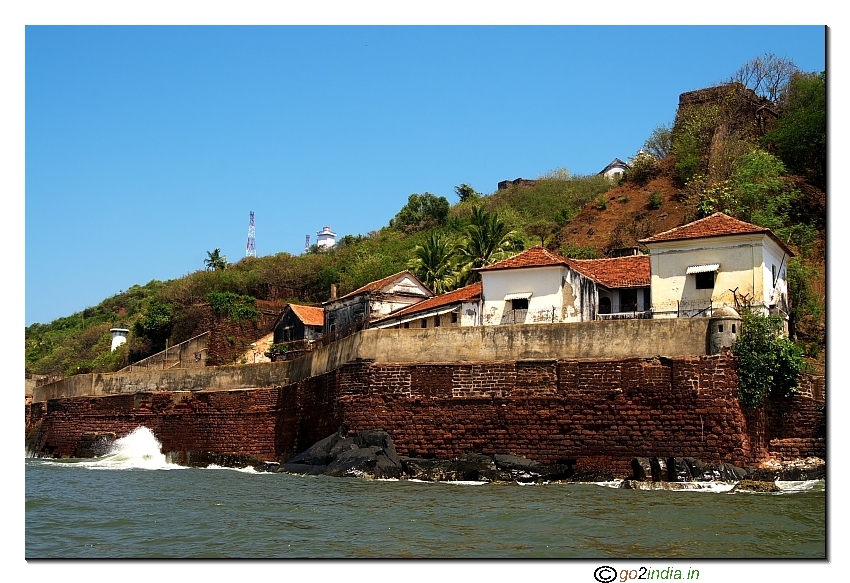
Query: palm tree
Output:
(215,260)
(434,263)
(488,239)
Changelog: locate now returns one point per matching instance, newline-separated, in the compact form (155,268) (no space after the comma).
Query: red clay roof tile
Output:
(534,257)
(309,315)
(716,225)
(463,294)
(630,271)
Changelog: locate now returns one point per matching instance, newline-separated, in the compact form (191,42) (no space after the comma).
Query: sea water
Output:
(132,503)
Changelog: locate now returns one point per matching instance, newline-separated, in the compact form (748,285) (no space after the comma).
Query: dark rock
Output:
(319,454)
(592,476)
(307,469)
(756,486)
(267,467)
(659,469)
(94,444)
(378,438)
(364,462)
(641,469)
(677,470)
(525,470)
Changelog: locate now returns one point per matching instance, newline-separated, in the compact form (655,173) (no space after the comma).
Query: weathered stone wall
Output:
(235,422)
(598,413)
(620,339)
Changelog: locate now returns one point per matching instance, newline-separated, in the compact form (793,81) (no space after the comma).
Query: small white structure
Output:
(714,262)
(325,238)
(614,170)
(119,337)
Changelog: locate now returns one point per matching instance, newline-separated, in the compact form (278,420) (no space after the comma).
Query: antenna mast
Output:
(250,250)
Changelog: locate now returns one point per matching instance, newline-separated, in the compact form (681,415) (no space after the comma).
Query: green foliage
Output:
(768,362)
(156,322)
(466,193)
(579,252)
(236,307)
(799,136)
(643,167)
(215,261)
(556,194)
(434,262)
(623,199)
(488,239)
(656,199)
(660,142)
(692,138)
(601,203)
(422,211)
(804,302)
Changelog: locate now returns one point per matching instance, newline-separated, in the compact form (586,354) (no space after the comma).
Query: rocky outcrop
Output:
(371,454)
(687,469)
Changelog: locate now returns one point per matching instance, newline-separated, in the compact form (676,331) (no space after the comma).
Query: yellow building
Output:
(714,262)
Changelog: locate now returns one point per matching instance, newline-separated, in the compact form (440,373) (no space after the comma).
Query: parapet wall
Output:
(602,339)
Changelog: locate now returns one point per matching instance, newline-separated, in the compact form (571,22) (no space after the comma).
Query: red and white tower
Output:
(250,249)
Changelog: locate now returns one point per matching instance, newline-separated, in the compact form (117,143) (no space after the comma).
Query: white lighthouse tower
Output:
(325,238)
(119,337)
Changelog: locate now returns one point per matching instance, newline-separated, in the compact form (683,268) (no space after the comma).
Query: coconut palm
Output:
(488,239)
(433,262)
(215,260)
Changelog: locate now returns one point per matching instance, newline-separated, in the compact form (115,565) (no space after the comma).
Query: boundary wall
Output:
(600,339)
(592,414)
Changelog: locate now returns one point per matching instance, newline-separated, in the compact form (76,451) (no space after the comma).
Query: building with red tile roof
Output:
(374,301)
(715,262)
(541,286)
(299,323)
(454,308)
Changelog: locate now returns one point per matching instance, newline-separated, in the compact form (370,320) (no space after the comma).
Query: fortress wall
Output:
(600,413)
(602,339)
(234,423)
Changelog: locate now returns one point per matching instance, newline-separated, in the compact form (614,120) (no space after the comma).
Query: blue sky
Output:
(147,146)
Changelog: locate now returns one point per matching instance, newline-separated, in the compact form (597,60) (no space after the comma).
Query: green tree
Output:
(215,261)
(422,211)
(799,135)
(433,262)
(466,193)
(804,302)
(488,239)
(768,362)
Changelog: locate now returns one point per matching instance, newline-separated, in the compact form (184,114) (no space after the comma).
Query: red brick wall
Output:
(599,413)
(235,422)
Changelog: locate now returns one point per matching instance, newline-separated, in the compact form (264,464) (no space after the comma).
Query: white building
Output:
(614,170)
(540,286)
(714,262)
(325,238)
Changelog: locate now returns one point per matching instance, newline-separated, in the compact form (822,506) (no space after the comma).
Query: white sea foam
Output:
(245,470)
(139,450)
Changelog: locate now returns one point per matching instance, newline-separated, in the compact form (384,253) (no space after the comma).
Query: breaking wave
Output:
(139,450)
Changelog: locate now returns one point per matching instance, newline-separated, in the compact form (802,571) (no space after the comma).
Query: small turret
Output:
(723,329)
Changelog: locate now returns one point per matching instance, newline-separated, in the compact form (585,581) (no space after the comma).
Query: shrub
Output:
(623,199)
(768,362)
(656,199)
(235,307)
(643,167)
(572,251)
(601,203)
